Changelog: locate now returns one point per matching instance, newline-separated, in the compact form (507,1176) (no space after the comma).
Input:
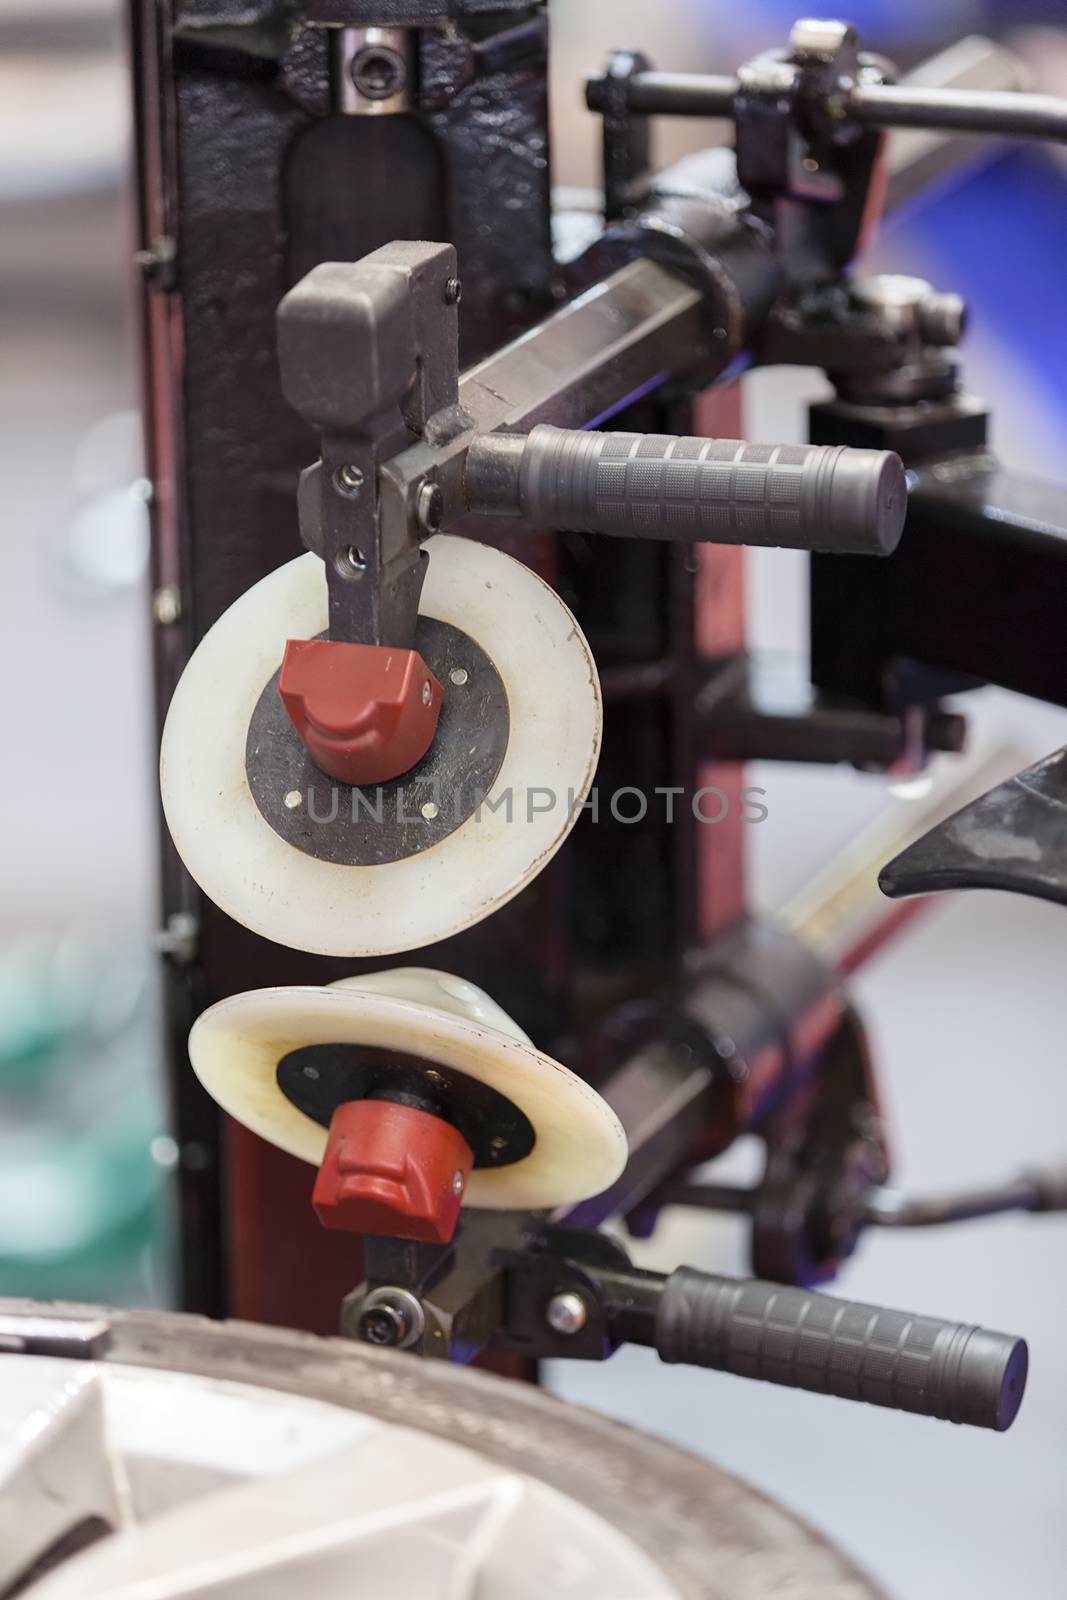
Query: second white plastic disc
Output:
(236,1045)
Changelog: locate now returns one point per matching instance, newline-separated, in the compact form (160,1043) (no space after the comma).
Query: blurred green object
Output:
(86,1161)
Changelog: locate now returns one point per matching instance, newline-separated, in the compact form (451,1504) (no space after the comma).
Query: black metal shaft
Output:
(1038,1190)
(1010,115)
(1042,1189)
(671,94)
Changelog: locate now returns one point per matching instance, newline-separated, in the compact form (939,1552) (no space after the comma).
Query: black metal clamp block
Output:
(368,353)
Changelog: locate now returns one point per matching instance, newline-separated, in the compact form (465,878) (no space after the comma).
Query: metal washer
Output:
(317,1078)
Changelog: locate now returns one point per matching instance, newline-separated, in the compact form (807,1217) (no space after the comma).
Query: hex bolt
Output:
(567,1312)
(392,1318)
(429,507)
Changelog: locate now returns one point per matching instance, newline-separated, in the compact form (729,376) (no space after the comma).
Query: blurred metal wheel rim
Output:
(712,1535)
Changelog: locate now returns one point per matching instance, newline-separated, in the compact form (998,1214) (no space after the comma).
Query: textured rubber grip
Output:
(803,497)
(815,1341)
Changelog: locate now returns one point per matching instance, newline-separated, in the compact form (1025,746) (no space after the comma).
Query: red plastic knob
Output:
(393,1170)
(365,712)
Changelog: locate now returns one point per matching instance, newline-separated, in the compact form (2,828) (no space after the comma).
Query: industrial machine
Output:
(445,919)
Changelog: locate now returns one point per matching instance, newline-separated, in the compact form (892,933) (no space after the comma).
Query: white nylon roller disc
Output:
(236,1045)
(298,900)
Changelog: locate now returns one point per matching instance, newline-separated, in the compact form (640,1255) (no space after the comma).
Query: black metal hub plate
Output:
(391,821)
(317,1078)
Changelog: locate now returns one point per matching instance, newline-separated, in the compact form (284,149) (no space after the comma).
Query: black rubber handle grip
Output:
(815,1341)
(802,497)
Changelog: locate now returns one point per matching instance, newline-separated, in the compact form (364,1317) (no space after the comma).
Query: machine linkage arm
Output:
(568,1292)
(1037,1190)
(368,357)
(793,1337)
(556,1287)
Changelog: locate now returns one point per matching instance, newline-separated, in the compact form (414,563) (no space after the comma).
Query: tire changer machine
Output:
(447,938)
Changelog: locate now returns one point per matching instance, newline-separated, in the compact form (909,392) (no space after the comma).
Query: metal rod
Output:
(612,342)
(890,1208)
(671,94)
(1009,115)
(619,339)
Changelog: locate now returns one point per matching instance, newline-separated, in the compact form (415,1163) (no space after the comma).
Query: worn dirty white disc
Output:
(236,1045)
(295,899)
